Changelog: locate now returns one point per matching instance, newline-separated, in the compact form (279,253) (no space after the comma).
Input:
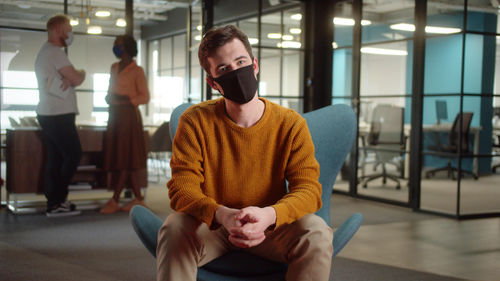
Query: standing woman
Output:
(125,146)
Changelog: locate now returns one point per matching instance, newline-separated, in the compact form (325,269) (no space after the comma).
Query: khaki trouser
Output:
(184,244)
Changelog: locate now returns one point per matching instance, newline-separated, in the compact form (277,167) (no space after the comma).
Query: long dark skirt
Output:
(124,140)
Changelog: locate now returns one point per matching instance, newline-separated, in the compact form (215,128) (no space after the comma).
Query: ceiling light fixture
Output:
(74,22)
(121,22)
(253,41)
(94,30)
(295,30)
(380,51)
(348,22)
(274,35)
(429,29)
(289,44)
(102,14)
(287,37)
(335,45)
(197,38)
(403,26)
(441,30)
(198,28)
(296,16)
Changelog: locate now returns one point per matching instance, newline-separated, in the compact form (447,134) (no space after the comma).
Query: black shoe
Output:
(68,206)
(63,210)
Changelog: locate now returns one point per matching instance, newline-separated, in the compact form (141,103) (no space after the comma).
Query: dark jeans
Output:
(63,155)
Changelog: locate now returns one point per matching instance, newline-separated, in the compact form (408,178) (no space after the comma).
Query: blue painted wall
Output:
(442,73)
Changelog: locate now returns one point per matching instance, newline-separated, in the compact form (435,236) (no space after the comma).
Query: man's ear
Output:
(255,66)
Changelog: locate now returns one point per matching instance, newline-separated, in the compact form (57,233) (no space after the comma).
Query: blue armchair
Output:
(333,131)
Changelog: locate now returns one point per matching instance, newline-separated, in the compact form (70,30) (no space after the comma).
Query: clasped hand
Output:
(246,226)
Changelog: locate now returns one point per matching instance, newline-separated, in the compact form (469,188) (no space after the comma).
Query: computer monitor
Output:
(441,111)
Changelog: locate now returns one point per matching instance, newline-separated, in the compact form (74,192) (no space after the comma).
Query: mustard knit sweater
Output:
(216,162)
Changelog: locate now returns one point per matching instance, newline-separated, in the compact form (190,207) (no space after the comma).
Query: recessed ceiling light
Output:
(403,26)
(348,21)
(380,51)
(335,45)
(441,30)
(94,30)
(197,38)
(102,14)
(121,22)
(287,37)
(274,35)
(296,16)
(74,22)
(295,30)
(198,28)
(429,29)
(253,41)
(289,44)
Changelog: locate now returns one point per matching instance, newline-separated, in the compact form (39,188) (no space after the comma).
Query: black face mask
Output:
(239,85)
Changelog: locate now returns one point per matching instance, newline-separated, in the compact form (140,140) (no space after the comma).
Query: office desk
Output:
(26,156)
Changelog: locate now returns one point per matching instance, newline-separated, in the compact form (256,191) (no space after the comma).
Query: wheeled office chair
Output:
(496,146)
(387,140)
(332,129)
(451,149)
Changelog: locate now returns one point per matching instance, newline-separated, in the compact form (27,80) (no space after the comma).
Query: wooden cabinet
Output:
(26,157)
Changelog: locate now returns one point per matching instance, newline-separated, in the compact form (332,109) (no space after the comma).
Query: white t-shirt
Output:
(53,101)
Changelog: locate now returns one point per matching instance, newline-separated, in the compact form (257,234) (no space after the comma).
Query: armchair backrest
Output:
(332,128)
(175,116)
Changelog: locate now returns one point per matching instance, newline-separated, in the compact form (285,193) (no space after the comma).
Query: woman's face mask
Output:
(118,50)
(239,85)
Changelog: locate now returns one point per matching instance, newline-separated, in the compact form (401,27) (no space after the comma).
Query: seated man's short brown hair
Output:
(217,37)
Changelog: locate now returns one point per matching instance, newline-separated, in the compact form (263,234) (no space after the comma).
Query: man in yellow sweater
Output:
(230,163)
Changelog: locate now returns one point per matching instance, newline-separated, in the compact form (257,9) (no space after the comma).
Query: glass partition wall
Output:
(277,44)
(20,41)
(459,133)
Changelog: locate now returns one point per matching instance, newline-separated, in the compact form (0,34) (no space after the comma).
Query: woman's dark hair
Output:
(129,44)
(218,37)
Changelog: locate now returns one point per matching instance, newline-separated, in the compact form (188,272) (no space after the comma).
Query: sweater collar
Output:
(221,113)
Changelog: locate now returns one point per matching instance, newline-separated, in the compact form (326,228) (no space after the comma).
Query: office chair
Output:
(497,147)
(386,139)
(450,150)
(333,130)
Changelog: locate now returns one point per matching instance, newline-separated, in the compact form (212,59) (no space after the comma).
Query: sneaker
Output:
(110,207)
(68,205)
(64,209)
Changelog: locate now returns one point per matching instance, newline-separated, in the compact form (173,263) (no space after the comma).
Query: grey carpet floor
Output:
(349,269)
(97,247)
